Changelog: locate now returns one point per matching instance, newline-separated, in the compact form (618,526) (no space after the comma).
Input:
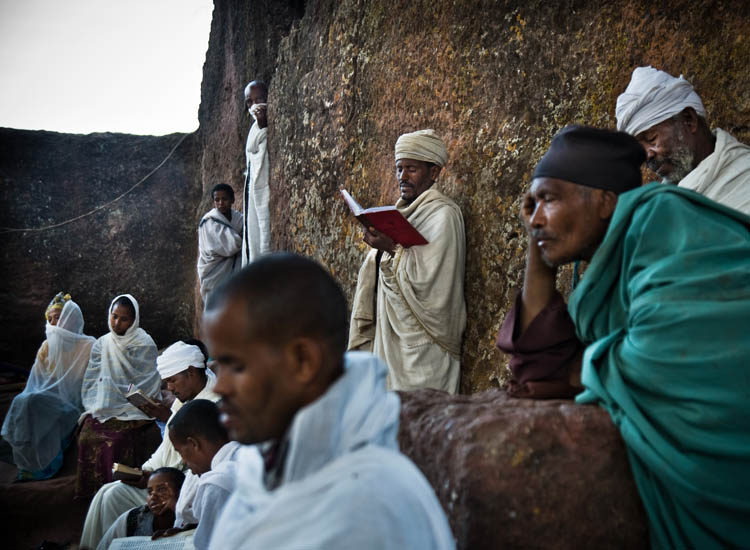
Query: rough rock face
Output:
(144,244)
(496,80)
(524,474)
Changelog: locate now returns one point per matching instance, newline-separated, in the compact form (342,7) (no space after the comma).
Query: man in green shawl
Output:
(663,312)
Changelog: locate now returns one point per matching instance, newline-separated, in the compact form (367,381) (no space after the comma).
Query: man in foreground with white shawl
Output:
(41,419)
(219,241)
(332,475)
(669,120)
(409,306)
(183,367)
(256,239)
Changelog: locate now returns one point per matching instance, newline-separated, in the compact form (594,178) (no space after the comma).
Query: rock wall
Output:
(496,79)
(144,244)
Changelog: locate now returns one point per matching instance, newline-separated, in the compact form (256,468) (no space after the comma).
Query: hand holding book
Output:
(388,221)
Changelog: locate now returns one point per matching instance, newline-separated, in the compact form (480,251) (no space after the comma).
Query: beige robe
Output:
(421,312)
(724,175)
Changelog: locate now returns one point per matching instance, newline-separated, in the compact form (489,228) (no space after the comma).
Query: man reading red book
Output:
(409,306)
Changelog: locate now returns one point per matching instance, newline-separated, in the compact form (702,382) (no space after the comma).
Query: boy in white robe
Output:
(219,241)
(183,367)
(197,434)
(333,476)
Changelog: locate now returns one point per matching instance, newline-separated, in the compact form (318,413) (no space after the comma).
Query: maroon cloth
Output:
(100,445)
(542,355)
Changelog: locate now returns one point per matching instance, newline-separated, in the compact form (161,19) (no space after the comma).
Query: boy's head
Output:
(223,197)
(197,434)
(163,489)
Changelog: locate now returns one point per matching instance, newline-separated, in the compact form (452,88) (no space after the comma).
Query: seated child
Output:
(202,441)
(157,514)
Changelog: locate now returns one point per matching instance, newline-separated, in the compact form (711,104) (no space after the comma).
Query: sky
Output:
(82,66)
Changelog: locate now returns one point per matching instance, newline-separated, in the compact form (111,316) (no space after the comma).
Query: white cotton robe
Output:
(724,175)
(418,324)
(256,239)
(219,244)
(214,490)
(344,482)
(116,497)
(45,413)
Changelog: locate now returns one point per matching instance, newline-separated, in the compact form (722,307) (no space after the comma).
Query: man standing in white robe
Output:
(183,366)
(219,241)
(256,238)
(332,475)
(409,306)
(668,118)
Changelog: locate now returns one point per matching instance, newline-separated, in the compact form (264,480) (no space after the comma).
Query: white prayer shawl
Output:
(116,362)
(214,489)
(256,239)
(421,312)
(219,244)
(47,410)
(344,482)
(724,175)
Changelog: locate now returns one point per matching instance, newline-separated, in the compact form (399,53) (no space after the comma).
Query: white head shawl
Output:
(177,358)
(116,362)
(424,145)
(41,417)
(652,97)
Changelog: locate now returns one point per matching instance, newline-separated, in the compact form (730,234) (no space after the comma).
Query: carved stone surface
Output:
(524,474)
(144,244)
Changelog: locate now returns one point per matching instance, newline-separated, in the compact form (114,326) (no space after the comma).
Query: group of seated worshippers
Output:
(182,366)
(654,332)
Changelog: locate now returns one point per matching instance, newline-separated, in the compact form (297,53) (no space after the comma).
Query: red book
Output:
(386,219)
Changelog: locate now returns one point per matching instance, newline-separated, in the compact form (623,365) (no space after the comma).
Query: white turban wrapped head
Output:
(652,97)
(424,145)
(177,358)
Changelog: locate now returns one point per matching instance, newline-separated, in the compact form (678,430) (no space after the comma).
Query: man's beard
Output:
(681,161)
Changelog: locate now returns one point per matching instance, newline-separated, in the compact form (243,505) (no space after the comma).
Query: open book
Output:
(386,219)
(120,471)
(137,398)
(181,541)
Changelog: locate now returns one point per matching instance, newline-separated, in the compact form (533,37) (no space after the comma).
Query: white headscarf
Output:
(178,357)
(424,145)
(116,362)
(652,97)
(46,412)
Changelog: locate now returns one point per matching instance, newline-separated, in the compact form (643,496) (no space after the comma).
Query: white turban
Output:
(424,145)
(177,358)
(652,97)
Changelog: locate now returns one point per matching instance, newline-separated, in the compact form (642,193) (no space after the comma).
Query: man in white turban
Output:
(668,118)
(409,306)
(183,367)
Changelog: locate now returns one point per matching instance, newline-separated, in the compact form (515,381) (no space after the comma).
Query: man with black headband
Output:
(661,315)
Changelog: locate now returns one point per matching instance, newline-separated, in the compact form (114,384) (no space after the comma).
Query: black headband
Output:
(603,159)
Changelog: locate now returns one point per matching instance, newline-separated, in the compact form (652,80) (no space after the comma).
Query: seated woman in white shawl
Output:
(41,419)
(114,430)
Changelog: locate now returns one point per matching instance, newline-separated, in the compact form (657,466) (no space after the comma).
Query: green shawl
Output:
(664,309)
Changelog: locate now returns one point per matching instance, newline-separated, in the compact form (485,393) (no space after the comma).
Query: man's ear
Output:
(435,171)
(689,118)
(607,204)
(305,357)
(194,443)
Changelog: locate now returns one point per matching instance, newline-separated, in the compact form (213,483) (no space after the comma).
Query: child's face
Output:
(162,494)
